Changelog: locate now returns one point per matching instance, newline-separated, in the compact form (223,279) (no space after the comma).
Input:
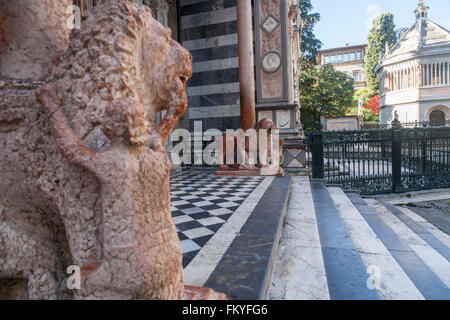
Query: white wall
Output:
(408,112)
(414,104)
(353,67)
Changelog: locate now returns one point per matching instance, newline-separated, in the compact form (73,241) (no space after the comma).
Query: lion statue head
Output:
(269,125)
(121,51)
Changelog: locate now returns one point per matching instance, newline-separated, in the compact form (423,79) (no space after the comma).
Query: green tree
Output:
(310,45)
(323,91)
(383,31)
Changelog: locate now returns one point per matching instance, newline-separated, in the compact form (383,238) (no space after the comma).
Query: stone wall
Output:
(413,104)
(342,123)
(209,32)
(408,112)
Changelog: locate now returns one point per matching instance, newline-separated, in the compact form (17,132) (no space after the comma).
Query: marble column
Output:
(448,72)
(422,75)
(246,63)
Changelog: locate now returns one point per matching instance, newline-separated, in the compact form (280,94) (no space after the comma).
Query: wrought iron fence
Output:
(383,160)
(425,158)
(413,124)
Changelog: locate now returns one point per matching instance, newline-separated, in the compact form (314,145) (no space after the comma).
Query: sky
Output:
(347,21)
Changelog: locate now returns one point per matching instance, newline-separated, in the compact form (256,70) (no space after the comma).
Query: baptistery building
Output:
(415,74)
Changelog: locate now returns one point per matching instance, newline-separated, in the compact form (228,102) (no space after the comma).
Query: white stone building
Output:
(415,74)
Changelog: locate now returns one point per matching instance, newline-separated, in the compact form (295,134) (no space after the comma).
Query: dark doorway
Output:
(437,118)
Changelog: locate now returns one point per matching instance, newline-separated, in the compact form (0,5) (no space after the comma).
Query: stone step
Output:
(245,268)
(337,245)
(393,283)
(444,237)
(346,273)
(200,268)
(434,215)
(425,265)
(317,258)
(299,251)
(421,232)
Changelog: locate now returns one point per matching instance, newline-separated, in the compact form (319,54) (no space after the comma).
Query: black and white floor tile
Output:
(201,203)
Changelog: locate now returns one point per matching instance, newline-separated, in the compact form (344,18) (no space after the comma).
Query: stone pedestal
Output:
(277,70)
(294,152)
(286,117)
(360,121)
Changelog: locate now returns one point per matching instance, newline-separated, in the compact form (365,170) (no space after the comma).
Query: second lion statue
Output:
(85,178)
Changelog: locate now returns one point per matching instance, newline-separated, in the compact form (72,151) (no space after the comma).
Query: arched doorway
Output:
(437,118)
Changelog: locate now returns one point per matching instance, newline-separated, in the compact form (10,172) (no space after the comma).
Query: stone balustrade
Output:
(431,74)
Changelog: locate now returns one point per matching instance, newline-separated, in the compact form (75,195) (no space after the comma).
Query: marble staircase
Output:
(339,246)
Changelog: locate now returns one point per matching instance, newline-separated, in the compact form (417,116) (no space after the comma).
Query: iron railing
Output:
(383,160)
(413,124)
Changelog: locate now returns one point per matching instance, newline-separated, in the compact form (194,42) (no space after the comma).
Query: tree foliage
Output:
(365,93)
(310,45)
(323,90)
(374,104)
(383,31)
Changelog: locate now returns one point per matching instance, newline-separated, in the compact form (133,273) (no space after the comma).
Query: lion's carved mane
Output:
(101,62)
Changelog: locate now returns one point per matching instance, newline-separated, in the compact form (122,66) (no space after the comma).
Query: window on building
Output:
(345,57)
(356,76)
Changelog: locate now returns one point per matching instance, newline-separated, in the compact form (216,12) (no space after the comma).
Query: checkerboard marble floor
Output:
(201,203)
